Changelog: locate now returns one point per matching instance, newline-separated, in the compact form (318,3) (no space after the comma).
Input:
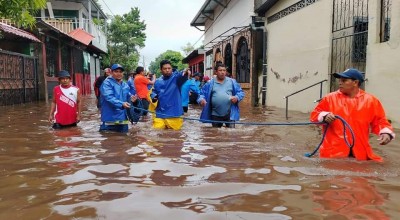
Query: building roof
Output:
(192,55)
(206,12)
(263,8)
(95,7)
(18,32)
(82,36)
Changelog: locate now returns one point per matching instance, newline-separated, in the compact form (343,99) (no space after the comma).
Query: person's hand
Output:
(234,99)
(134,98)
(51,118)
(384,138)
(126,105)
(329,118)
(203,103)
(78,118)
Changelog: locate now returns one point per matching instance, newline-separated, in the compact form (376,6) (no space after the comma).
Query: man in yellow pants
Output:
(166,92)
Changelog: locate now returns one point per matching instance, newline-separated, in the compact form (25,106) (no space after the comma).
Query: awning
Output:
(18,32)
(264,7)
(206,12)
(82,36)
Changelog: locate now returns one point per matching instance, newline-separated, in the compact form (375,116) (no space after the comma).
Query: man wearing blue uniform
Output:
(189,87)
(196,82)
(115,96)
(220,99)
(167,92)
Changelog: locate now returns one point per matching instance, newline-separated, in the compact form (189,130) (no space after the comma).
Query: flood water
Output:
(250,172)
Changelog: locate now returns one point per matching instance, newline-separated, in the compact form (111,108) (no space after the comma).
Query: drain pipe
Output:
(264,68)
(264,63)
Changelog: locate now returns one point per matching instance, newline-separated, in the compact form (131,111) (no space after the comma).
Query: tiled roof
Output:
(18,32)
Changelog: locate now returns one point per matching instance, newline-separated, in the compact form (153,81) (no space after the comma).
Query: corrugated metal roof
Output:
(206,12)
(81,35)
(18,32)
(264,7)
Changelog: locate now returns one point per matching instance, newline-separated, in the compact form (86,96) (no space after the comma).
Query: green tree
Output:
(187,49)
(21,12)
(125,37)
(173,56)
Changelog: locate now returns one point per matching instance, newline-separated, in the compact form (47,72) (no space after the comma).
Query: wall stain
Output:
(276,74)
(293,79)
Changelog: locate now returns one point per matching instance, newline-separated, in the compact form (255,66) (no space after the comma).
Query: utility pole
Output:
(144,63)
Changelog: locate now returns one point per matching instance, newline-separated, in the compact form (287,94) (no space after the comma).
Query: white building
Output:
(309,40)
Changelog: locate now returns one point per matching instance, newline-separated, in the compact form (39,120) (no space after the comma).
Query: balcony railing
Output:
(7,21)
(66,25)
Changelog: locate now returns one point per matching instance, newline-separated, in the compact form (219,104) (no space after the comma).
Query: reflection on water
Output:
(350,198)
(251,172)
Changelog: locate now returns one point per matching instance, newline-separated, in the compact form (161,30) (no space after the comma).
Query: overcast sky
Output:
(168,23)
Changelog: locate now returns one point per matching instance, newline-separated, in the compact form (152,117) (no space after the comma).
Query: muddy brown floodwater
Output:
(250,172)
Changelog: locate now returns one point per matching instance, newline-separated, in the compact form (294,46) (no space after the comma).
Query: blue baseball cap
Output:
(350,74)
(63,74)
(117,66)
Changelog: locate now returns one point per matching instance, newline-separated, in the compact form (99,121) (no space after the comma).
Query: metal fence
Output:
(18,78)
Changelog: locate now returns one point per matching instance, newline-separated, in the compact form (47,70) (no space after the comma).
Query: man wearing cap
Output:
(65,108)
(97,85)
(114,100)
(362,111)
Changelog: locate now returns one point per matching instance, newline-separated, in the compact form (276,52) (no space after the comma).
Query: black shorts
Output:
(60,126)
(223,120)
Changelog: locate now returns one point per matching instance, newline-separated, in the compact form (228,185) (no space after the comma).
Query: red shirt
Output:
(66,104)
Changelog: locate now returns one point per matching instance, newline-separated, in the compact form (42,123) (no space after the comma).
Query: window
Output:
(209,59)
(360,39)
(386,9)
(51,56)
(243,61)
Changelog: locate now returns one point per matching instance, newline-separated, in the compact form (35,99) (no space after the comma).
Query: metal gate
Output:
(243,62)
(18,79)
(349,36)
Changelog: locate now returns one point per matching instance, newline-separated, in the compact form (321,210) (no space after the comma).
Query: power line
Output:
(108,8)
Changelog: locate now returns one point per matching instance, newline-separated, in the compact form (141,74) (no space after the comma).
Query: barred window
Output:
(386,9)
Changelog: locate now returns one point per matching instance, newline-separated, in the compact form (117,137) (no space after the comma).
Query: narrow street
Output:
(250,172)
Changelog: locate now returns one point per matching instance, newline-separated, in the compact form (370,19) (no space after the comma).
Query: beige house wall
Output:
(298,54)
(383,62)
(299,50)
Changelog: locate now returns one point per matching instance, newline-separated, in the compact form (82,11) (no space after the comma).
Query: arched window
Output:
(243,61)
(228,58)
(217,57)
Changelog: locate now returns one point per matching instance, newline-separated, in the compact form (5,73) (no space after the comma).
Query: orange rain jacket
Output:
(364,113)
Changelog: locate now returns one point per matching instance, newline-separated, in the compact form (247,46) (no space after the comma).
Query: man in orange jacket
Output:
(362,111)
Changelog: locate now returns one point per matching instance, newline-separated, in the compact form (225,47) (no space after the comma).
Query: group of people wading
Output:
(219,97)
